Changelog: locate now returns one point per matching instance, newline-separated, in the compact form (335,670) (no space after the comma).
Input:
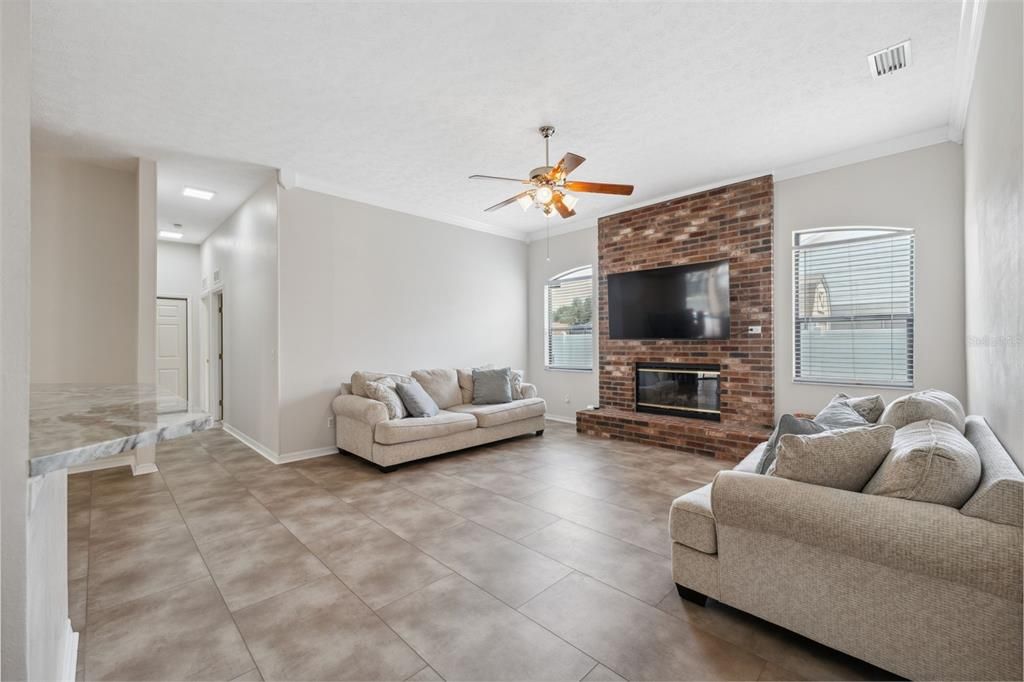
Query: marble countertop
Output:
(72,424)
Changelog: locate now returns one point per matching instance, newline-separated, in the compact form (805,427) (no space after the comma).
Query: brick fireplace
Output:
(735,223)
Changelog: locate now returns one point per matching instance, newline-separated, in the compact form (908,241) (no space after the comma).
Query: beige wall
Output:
(15,95)
(994,229)
(244,250)
(84,272)
(922,189)
(177,275)
(565,391)
(368,288)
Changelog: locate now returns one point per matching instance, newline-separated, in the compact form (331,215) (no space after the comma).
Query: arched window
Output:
(569,320)
(853,306)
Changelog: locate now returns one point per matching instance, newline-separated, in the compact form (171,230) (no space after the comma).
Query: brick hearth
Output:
(734,222)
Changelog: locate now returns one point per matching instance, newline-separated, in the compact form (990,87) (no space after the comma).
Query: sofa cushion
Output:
(749,463)
(1000,495)
(691,522)
(923,405)
(406,430)
(441,384)
(360,378)
(504,413)
(492,386)
(930,461)
(842,458)
(416,401)
(383,390)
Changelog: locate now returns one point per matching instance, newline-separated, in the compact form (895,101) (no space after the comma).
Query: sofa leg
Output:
(388,470)
(540,433)
(692,595)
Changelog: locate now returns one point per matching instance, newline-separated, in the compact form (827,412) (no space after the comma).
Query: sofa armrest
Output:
(917,537)
(368,411)
(527,390)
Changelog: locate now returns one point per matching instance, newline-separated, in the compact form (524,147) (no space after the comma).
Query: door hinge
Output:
(221,403)
(220,356)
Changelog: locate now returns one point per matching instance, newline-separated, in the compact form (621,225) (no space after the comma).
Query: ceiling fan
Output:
(549,186)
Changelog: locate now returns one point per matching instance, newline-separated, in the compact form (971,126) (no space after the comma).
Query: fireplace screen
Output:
(682,390)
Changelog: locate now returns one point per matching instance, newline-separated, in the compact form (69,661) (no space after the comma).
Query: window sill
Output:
(570,370)
(860,384)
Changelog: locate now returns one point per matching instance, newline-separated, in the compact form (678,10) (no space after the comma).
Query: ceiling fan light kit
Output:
(549,188)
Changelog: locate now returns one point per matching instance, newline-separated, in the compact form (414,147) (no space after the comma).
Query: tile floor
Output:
(533,559)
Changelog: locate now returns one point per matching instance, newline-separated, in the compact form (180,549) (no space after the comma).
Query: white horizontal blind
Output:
(568,328)
(854,306)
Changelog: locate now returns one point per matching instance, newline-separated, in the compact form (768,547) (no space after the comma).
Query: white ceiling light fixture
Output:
(170,234)
(196,193)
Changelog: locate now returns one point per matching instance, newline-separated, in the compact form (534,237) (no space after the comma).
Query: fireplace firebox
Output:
(680,390)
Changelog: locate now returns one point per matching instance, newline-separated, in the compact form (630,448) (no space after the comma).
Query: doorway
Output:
(215,358)
(172,362)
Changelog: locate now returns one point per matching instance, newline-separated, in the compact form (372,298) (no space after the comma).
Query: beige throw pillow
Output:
(360,378)
(841,458)
(440,384)
(923,405)
(930,461)
(383,390)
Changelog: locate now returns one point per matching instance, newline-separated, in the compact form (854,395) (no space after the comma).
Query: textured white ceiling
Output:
(397,103)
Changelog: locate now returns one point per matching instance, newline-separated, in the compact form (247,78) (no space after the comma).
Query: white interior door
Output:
(172,345)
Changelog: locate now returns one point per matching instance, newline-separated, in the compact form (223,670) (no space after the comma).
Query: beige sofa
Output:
(363,428)
(921,590)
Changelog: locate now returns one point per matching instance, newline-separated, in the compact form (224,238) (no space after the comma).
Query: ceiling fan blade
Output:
(510,200)
(567,164)
(496,177)
(560,206)
(598,187)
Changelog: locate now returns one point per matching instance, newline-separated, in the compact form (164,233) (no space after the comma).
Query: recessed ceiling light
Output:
(203,194)
(168,234)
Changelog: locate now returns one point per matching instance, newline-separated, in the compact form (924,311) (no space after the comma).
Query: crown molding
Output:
(877,150)
(972,20)
(300,181)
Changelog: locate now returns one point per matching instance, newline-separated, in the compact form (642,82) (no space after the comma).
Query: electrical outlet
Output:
(756,329)
(330,422)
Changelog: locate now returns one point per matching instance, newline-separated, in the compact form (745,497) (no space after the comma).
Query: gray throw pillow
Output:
(844,459)
(416,400)
(492,386)
(838,414)
(787,424)
(870,406)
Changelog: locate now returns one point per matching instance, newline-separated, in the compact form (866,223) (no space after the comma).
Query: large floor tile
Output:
(185,633)
(645,575)
(407,514)
(254,565)
(321,631)
(466,634)
(146,514)
(113,486)
(312,516)
(429,484)
(211,518)
(501,482)
(122,568)
(508,517)
(643,530)
(377,565)
(635,639)
(506,569)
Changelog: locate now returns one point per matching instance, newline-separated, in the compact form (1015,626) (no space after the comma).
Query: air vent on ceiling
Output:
(889,60)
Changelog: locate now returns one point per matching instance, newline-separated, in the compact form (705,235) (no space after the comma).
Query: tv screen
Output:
(681,302)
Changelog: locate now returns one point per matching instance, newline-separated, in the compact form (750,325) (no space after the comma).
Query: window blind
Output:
(854,306)
(569,312)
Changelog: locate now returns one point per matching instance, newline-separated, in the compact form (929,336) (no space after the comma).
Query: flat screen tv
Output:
(681,302)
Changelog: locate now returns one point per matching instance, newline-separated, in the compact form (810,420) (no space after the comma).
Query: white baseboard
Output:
(68,668)
(560,420)
(273,456)
(142,469)
(104,463)
(306,454)
(251,442)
